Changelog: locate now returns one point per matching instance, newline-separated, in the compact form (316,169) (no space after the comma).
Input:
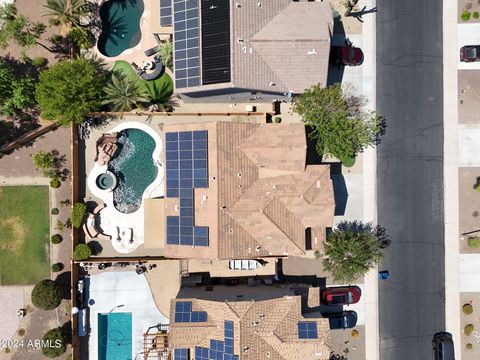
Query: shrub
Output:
(278,119)
(467,309)
(474,241)
(348,161)
(54,342)
(60,225)
(476,15)
(477,188)
(54,211)
(46,295)
(468,329)
(39,62)
(56,239)
(55,182)
(469,346)
(82,252)
(57,267)
(77,214)
(21,332)
(465,15)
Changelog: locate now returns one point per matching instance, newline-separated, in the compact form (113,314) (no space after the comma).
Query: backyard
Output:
(24,234)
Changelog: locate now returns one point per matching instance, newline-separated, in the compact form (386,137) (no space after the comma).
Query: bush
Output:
(54,211)
(46,295)
(77,214)
(467,309)
(39,62)
(278,119)
(57,267)
(468,329)
(82,252)
(348,161)
(476,15)
(21,332)
(60,225)
(56,239)
(54,342)
(465,15)
(55,182)
(469,346)
(474,241)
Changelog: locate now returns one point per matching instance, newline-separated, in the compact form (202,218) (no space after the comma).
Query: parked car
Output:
(342,320)
(346,55)
(341,295)
(443,346)
(470,53)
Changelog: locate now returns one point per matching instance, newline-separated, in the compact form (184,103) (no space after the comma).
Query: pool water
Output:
(120,26)
(115,336)
(134,169)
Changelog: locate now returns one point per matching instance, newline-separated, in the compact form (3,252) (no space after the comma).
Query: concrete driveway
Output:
(11,300)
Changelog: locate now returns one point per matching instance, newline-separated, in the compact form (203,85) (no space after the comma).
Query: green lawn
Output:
(24,235)
(162,87)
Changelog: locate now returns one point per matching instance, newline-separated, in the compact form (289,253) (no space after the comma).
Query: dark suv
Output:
(443,346)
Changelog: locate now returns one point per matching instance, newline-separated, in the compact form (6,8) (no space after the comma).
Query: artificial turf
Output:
(24,235)
(162,84)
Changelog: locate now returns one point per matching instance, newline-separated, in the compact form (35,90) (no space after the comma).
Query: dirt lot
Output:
(469,206)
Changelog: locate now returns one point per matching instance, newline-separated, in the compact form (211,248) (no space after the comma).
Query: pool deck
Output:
(125,292)
(147,41)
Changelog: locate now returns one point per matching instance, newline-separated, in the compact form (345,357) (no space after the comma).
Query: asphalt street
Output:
(410,176)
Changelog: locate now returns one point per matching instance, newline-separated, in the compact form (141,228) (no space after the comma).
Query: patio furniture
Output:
(130,241)
(99,208)
(89,227)
(148,65)
(159,69)
(102,236)
(151,51)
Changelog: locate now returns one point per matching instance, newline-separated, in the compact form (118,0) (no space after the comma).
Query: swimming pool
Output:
(115,336)
(133,167)
(120,26)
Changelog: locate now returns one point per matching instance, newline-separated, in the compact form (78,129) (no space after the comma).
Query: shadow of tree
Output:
(64,281)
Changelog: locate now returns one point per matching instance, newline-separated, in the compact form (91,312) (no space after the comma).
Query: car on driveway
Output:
(341,295)
(470,53)
(342,320)
(346,55)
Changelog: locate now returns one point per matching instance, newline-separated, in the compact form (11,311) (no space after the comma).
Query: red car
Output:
(346,55)
(342,295)
(470,53)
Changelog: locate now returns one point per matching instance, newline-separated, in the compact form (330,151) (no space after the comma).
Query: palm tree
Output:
(66,13)
(166,53)
(124,93)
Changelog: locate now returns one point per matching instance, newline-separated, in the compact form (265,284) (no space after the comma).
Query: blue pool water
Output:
(133,167)
(120,26)
(115,336)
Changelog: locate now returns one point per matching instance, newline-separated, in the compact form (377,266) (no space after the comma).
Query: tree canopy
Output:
(352,249)
(46,295)
(69,90)
(82,252)
(18,28)
(338,123)
(123,93)
(17,93)
(54,342)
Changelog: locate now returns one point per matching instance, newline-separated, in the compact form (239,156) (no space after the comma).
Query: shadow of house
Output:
(340,191)
(335,72)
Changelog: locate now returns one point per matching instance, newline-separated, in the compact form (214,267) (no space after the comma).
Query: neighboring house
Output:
(248,50)
(271,329)
(240,190)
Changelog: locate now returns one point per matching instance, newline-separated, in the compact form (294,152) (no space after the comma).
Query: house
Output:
(256,330)
(240,190)
(248,50)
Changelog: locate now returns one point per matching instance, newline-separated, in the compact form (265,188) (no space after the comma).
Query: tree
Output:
(16,92)
(337,121)
(69,90)
(46,162)
(66,13)
(82,252)
(78,211)
(54,342)
(166,54)
(352,249)
(124,93)
(46,295)
(18,28)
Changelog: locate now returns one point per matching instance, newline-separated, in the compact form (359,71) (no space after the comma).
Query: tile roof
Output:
(261,196)
(262,329)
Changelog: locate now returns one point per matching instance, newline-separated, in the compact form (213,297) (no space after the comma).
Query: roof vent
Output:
(213,7)
(245,349)
(259,4)
(268,354)
(258,248)
(312,52)
(238,5)
(262,316)
(244,49)
(240,40)
(239,174)
(230,231)
(272,84)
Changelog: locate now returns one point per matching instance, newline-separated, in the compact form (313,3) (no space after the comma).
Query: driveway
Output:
(11,300)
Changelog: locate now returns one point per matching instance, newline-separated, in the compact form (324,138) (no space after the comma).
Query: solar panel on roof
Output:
(215,41)
(181,354)
(186,43)
(222,350)
(307,330)
(184,313)
(166,12)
